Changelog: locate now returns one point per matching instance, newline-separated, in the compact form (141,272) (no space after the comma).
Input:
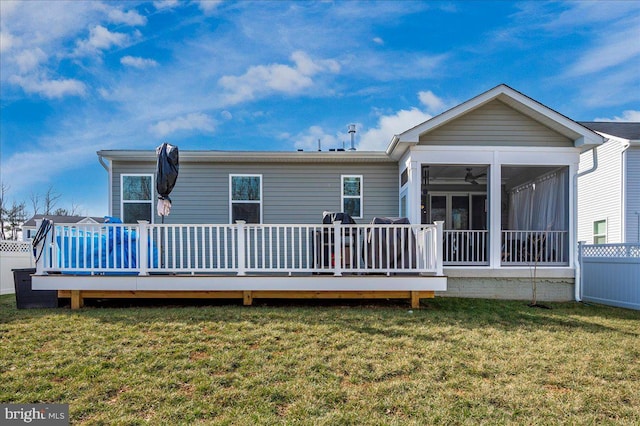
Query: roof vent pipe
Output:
(319,145)
(352,132)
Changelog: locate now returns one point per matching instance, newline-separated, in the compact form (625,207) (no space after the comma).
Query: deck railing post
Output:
(438,249)
(337,249)
(143,248)
(242,250)
(39,251)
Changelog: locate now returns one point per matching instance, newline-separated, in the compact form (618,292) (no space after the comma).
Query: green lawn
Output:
(455,361)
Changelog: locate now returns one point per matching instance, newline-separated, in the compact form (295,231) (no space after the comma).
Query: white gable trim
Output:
(582,137)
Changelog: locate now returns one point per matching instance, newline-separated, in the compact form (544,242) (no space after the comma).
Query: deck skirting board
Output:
(169,283)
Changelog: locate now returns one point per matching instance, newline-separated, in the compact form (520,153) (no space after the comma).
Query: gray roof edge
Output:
(252,156)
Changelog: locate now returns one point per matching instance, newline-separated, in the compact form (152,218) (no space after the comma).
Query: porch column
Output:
(414,192)
(495,212)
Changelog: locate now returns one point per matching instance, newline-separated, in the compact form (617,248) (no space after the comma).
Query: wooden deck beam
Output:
(78,296)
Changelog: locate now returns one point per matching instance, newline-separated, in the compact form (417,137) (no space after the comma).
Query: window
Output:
(352,196)
(403,203)
(245,195)
(137,198)
(600,232)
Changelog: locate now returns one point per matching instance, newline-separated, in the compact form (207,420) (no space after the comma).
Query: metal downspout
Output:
(578,277)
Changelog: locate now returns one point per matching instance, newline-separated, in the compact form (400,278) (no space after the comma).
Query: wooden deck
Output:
(247,288)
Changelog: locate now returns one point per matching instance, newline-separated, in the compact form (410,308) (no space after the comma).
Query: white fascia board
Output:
(481,155)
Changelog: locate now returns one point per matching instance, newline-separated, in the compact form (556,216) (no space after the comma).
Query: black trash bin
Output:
(26,297)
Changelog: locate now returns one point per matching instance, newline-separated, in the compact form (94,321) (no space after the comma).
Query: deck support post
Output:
(77,301)
(247,298)
(415,299)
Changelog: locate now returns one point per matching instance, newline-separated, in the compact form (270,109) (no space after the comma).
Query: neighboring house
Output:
(29,227)
(609,196)
(499,170)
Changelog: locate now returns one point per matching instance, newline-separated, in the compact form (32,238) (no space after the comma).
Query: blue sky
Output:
(77,77)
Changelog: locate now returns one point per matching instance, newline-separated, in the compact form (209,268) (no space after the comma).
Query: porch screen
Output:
(541,205)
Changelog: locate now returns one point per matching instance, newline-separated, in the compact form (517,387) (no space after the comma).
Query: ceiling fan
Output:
(471,178)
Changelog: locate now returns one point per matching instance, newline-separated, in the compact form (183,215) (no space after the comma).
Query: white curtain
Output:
(541,205)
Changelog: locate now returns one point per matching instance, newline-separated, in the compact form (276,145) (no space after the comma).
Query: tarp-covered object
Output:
(386,246)
(166,175)
(114,249)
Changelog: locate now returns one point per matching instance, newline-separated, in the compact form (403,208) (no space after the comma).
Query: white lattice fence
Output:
(8,246)
(611,250)
(13,255)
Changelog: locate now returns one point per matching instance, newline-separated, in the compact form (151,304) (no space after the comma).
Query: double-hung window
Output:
(352,195)
(600,232)
(245,198)
(137,197)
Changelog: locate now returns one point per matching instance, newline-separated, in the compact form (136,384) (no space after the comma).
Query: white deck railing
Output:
(242,249)
(549,248)
(465,248)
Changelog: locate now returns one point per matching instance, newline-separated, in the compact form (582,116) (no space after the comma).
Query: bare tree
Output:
(16,216)
(51,198)
(35,202)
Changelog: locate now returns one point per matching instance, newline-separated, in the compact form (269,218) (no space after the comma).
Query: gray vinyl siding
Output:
(600,193)
(495,124)
(292,192)
(633,195)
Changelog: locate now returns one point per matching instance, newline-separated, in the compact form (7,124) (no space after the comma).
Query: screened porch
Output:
(533,217)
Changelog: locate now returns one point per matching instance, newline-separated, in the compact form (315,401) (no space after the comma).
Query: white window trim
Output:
(361,196)
(123,201)
(606,230)
(231,201)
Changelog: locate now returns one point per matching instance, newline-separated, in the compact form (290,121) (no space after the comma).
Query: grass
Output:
(456,361)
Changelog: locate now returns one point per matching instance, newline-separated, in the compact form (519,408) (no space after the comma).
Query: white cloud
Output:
(7,41)
(378,138)
(130,17)
(137,62)
(433,103)
(29,59)
(628,115)
(263,79)
(308,140)
(194,121)
(209,6)
(378,40)
(165,4)
(100,38)
(50,88)
(614,49)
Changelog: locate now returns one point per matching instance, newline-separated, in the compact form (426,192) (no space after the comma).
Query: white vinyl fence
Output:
(13,255)
(610,274)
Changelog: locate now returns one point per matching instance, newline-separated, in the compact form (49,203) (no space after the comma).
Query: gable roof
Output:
(579,134)
(63,219)
(626,130)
